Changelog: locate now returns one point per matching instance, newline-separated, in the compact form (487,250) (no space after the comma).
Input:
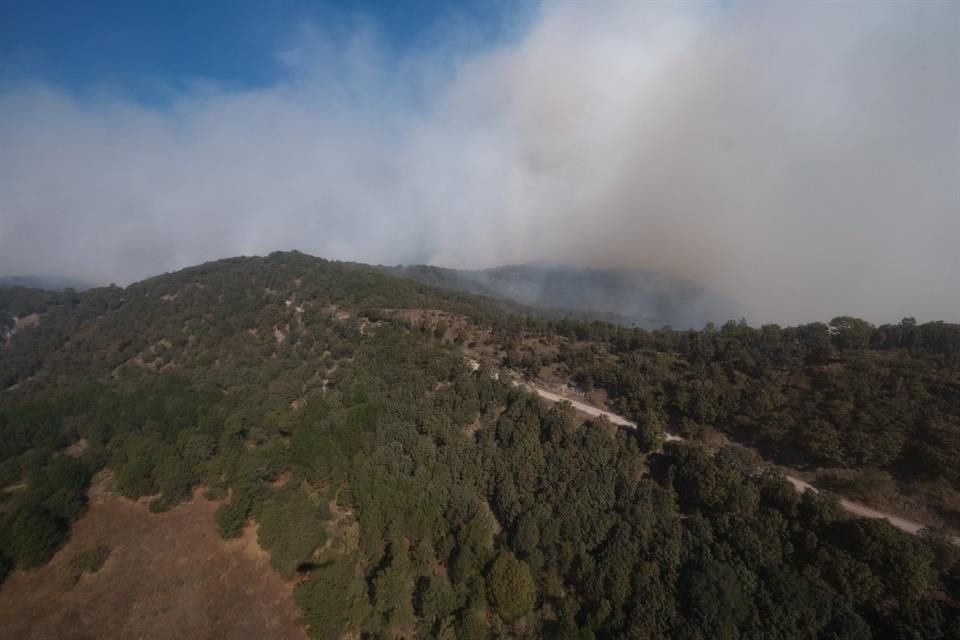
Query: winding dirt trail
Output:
(854,508)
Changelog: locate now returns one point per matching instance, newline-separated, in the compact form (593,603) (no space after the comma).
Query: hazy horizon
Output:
(800,158)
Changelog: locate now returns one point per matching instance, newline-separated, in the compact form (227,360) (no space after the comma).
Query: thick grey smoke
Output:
(802,158)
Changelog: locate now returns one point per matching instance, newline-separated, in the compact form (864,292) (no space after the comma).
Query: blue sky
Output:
(149,50)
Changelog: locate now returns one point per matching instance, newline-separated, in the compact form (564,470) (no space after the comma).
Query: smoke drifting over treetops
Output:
(800,158)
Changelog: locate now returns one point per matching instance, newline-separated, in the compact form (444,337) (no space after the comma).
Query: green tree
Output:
(292,525)
(32,536)
(230,519)
(334,599)
(512,590)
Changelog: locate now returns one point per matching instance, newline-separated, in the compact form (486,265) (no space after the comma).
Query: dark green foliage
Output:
(135,469)
(230,520)
(31,536)
(435,602)
(392,588)
(512,590)
(291,527)
(6,566)
(34,518)
(456,496)
(847,394)
(334,599)
(713,596)
(59,485)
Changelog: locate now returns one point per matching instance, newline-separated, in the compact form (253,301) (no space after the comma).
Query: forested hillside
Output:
(411,495)
(874,411)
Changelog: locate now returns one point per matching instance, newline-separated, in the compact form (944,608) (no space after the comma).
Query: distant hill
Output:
(628,297)
(47,282)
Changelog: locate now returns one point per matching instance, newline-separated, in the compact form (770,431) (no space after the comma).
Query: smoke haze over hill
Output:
(802,159)
(627,297)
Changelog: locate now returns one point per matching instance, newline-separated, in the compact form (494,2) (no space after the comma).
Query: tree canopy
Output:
(411,494)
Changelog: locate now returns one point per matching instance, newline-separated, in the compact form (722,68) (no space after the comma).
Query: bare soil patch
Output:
(30,320)
(168,575)
(21,323)
(77,448)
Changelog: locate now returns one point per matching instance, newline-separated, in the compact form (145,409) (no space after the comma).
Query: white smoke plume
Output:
(800,158)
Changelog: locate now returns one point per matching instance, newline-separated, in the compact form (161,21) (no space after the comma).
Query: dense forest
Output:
(411,495)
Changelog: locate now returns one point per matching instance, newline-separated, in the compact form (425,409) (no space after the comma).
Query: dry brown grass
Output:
(168,575)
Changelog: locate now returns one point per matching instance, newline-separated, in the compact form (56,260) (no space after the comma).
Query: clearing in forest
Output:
(167,575)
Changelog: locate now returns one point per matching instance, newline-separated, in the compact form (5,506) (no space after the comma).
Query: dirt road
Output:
(854,508)
(588,409)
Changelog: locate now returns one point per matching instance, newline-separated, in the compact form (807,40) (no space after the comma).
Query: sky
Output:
(802,159)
